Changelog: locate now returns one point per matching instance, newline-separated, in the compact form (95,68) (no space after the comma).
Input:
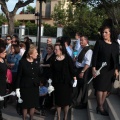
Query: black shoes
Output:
(102,112)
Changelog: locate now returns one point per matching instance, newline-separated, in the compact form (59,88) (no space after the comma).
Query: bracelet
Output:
(82,71)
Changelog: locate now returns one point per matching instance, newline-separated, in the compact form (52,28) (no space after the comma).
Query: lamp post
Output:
(40,19)
(37,15)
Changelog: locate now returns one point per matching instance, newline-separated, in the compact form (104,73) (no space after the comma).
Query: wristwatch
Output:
(82,71)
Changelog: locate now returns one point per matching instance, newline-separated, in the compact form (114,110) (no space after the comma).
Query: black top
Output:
(62,71)
(3,71)
(28,74)
(48,61)
(104,52)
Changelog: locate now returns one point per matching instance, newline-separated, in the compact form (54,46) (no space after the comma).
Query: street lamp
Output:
(37,15)
(40,19)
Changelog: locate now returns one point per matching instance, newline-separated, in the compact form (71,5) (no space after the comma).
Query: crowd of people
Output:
(69,67)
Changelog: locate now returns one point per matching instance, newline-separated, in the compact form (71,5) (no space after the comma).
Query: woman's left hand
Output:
(116,74)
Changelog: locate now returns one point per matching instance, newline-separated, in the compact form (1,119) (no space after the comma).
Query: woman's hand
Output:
(94,71)
(116,74)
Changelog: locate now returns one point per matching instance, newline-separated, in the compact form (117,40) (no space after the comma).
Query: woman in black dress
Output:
(105,50)
(3,71)
(62,69)
(28,82)
(47,61)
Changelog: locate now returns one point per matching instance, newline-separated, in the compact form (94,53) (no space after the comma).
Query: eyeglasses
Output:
(8,39)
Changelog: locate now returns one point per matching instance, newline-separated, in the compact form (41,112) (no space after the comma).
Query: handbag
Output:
(9,76)
(116,84)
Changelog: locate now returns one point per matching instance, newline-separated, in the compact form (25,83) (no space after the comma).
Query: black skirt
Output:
(30,97)
(103,82)
(62,94)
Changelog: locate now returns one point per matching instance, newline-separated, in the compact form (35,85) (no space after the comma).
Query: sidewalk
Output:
(10,113)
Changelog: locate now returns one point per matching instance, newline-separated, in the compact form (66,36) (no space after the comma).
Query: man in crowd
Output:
(9,42)
(82,64)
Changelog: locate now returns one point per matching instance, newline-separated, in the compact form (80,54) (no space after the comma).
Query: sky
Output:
(11,4)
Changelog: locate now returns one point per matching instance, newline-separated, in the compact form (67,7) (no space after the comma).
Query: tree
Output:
(10,15)
(79,17)
(30,9)
(2,19)
(112,8)
(59,13)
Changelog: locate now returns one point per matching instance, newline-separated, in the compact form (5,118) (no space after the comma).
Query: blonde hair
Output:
(31,49)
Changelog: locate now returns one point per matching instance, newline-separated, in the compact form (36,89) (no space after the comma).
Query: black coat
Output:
(100,53)
(3,71)
(28,74)
(67,71)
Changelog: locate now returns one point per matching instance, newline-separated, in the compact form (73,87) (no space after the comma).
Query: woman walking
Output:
(105,50)
(28,80)
(62,69)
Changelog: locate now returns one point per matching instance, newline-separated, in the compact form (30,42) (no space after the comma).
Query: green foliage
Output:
(80,18)
(32,28)
(59,14)
(50,30)
(2,19)
(30,9)
(17,23)
(69,31)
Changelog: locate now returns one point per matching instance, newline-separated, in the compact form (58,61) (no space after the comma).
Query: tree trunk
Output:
(11,24)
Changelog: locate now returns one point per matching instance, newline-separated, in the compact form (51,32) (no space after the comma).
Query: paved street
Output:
(10,113)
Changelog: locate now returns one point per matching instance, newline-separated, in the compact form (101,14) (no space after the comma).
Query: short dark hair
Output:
(16,48)
(50,46)
(65,39)
(16,36)
(58,39)
(84,37)
(9,36)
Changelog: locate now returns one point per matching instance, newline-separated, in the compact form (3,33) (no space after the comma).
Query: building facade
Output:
(47,9)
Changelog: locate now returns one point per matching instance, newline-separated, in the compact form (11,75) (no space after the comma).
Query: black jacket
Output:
(100,53)
(28,74)
(67,70)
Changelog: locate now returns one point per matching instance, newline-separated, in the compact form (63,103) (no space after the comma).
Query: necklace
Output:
(61,57)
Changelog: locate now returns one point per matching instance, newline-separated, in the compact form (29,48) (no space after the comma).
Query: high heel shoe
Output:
(102,112)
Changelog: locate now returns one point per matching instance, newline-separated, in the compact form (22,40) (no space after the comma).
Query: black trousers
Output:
(80,93)
(1,115)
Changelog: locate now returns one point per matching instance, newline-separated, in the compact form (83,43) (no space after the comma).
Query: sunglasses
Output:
(8,39)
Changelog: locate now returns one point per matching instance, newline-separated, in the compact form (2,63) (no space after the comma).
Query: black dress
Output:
(62,74)
(104,52)
(28,81)
(46,70)
(3,71)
